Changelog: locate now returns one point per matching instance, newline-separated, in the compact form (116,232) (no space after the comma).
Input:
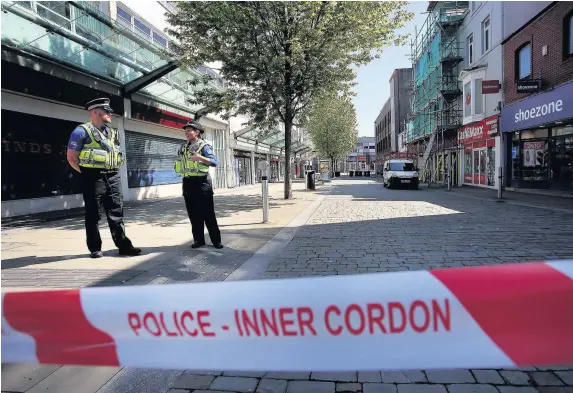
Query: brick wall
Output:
(553,69)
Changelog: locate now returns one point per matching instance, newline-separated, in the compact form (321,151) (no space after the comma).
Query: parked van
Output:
(397,173)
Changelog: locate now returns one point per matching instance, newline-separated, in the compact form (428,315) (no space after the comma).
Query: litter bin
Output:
(310,185)
(337,174)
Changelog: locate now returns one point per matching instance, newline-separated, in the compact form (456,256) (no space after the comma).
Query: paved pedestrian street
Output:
(351,226)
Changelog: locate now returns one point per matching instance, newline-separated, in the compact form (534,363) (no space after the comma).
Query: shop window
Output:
(486,34)
(535,134)
(470,49)
(568,35)
(490,166)
(126,16)
(524,61)
(561,131)
(515,157)
(467,99)
(478,98)
(158,39)
(468,166)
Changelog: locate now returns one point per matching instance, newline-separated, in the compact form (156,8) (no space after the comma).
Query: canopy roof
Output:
(81,35)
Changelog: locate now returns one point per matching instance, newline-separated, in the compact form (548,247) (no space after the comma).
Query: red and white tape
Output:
(495,316)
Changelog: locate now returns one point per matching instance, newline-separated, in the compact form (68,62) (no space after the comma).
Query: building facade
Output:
(382,132)
(436,104)
(390,125)
(56,56)
(479,156)
(400,95)
(537,113)
(363,156)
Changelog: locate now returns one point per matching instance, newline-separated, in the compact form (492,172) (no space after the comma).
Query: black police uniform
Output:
(198,195)
(102,187)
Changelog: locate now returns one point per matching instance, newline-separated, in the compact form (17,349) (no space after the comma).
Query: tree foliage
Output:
(332,126)
(278,56)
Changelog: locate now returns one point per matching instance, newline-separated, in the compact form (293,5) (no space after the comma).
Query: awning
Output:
(81,35)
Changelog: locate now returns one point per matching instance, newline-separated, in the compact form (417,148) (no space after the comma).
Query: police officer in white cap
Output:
(195,158)
(93,151)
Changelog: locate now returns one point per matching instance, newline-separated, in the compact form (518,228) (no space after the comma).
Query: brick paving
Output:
(360,227)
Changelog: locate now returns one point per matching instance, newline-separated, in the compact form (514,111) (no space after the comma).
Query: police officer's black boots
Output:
(197,244)
(130,252)
(96,254)
(218,245)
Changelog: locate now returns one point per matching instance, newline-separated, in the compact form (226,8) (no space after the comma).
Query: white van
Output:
(400,173)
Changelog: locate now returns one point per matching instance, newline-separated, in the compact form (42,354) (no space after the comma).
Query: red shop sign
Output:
(534,145)
(487,128)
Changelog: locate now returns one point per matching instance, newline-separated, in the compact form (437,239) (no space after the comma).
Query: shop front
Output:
(242,167)
(481,153)
(539,140)
(277,169)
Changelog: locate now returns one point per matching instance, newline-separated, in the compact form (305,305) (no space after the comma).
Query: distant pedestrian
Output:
(94,152)
(195,158)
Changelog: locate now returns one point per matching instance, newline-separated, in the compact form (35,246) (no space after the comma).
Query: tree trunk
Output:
(288,139)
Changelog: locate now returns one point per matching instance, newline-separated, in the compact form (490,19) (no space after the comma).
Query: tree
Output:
(276,57)
(332,126)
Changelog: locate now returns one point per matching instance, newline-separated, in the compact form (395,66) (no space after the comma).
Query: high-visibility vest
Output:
(185,166)
(95,155)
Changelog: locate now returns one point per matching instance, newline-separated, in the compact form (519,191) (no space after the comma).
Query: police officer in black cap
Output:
(195,158)
(93,151)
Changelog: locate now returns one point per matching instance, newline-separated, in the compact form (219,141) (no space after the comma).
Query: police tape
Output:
(473,317)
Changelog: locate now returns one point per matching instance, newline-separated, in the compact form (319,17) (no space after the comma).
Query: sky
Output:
(373,88)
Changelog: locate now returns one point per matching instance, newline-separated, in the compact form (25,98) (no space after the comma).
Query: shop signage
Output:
(480,130)
(533,154)
(158,116)
(361,158)
(490,87)
(528,86)
(553,105)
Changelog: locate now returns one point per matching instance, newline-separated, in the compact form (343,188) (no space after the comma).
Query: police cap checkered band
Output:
(99,103)
(195,125)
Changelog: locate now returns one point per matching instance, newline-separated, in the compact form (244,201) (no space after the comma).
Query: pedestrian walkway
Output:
(541,200)
(349,227)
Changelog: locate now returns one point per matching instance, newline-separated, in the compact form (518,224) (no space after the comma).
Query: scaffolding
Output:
(436,110)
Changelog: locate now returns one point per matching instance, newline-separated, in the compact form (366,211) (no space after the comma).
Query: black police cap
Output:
(195,125)
(102,103)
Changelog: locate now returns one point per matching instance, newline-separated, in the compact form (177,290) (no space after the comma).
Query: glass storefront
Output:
(542,158)
(480,148)
(243,169)
(479,163)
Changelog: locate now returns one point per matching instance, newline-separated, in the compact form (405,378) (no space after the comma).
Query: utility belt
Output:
(100,159)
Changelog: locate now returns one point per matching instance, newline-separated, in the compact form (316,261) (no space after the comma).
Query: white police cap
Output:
(102,103)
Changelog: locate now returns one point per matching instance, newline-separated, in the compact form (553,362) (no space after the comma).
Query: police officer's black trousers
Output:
(103,188)
(198,194)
